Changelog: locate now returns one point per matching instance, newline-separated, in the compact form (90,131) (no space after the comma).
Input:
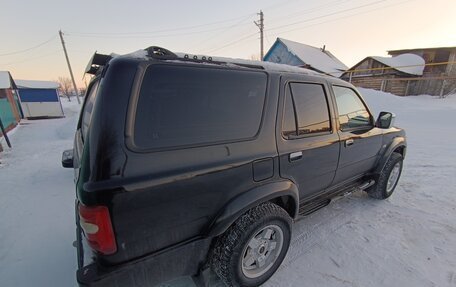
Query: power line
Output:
(303,21)
(148,37)
(234,42)
(308,11)
(397,67)
(225,31)
(32,59)
(345,17)
(326,15)
(157,31)
(29,49)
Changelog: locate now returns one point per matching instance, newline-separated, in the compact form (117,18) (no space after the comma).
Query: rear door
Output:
(360,139)
(307,141)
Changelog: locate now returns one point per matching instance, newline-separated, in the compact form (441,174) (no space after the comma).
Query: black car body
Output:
(171,150)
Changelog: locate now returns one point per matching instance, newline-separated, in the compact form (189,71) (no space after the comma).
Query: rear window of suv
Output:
(185,106)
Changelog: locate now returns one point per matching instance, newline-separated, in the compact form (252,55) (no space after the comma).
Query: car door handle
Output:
(294,156)
(349,142)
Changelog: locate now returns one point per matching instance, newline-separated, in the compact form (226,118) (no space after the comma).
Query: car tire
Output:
(388,178)
(252,249)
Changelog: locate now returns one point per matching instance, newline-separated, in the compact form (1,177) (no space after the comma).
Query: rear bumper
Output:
(184,260)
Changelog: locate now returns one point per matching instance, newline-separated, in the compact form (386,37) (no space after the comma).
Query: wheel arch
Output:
(399,145)
(283,193)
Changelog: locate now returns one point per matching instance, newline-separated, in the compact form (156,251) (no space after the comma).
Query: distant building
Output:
(10,110)
(39,99)
(297,54)
(437,76)
(388,74)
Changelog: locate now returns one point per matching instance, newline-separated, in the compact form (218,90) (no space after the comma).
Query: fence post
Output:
(441,90)
(407,88)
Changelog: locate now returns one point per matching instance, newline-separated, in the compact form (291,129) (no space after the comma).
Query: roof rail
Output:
(160,53)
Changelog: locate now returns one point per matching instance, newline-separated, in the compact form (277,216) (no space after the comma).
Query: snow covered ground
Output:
(407,240)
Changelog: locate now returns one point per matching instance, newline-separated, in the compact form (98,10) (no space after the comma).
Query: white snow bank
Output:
(37,226)
(407,63)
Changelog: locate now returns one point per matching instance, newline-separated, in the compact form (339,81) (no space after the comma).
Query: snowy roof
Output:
(6,82)
(31,84)
(321,60)
(407,63)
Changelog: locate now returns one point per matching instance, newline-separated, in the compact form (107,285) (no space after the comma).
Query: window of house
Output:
(353,113)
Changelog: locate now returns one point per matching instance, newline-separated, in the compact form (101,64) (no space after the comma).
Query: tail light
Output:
(96,223)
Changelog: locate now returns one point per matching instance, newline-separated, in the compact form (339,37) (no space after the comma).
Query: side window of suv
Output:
(306,110)
(353,113)
(183,106)
(88,108)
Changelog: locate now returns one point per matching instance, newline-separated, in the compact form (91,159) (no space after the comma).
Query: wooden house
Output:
(389,74)
(429,71)
(439,75)
(297,54)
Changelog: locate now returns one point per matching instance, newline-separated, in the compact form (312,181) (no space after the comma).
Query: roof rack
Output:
(96,62)
(160,53)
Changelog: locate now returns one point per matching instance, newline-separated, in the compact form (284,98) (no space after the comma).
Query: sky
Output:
(30,47)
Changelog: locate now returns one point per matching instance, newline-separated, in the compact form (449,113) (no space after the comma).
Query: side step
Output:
(316,204)
(312,206)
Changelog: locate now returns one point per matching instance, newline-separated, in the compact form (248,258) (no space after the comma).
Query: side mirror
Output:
(385,120)
(67,159)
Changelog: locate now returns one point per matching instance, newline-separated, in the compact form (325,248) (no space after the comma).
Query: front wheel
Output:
(252,249)
(388,179)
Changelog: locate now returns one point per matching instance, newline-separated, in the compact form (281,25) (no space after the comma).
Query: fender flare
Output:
(398,142)
(251,198)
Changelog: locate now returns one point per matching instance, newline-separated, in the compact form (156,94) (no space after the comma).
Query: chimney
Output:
(324,48)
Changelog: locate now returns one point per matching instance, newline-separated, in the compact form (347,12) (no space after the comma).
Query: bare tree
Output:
(65,86)
(82,91)
(255,57)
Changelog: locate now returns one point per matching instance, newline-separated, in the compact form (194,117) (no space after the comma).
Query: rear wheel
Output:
(388,179)
(252,249)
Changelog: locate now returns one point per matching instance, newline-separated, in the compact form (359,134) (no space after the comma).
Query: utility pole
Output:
(260,25)
(69,67)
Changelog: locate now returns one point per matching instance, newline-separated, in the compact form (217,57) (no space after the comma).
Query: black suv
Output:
(186,164)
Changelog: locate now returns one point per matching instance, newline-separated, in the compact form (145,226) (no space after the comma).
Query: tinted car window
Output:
(311,108)
(88,108)
(189,106)
(289,118)
(352,111)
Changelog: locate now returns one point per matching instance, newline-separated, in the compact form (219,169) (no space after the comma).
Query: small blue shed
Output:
(297,54)
(39,99)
